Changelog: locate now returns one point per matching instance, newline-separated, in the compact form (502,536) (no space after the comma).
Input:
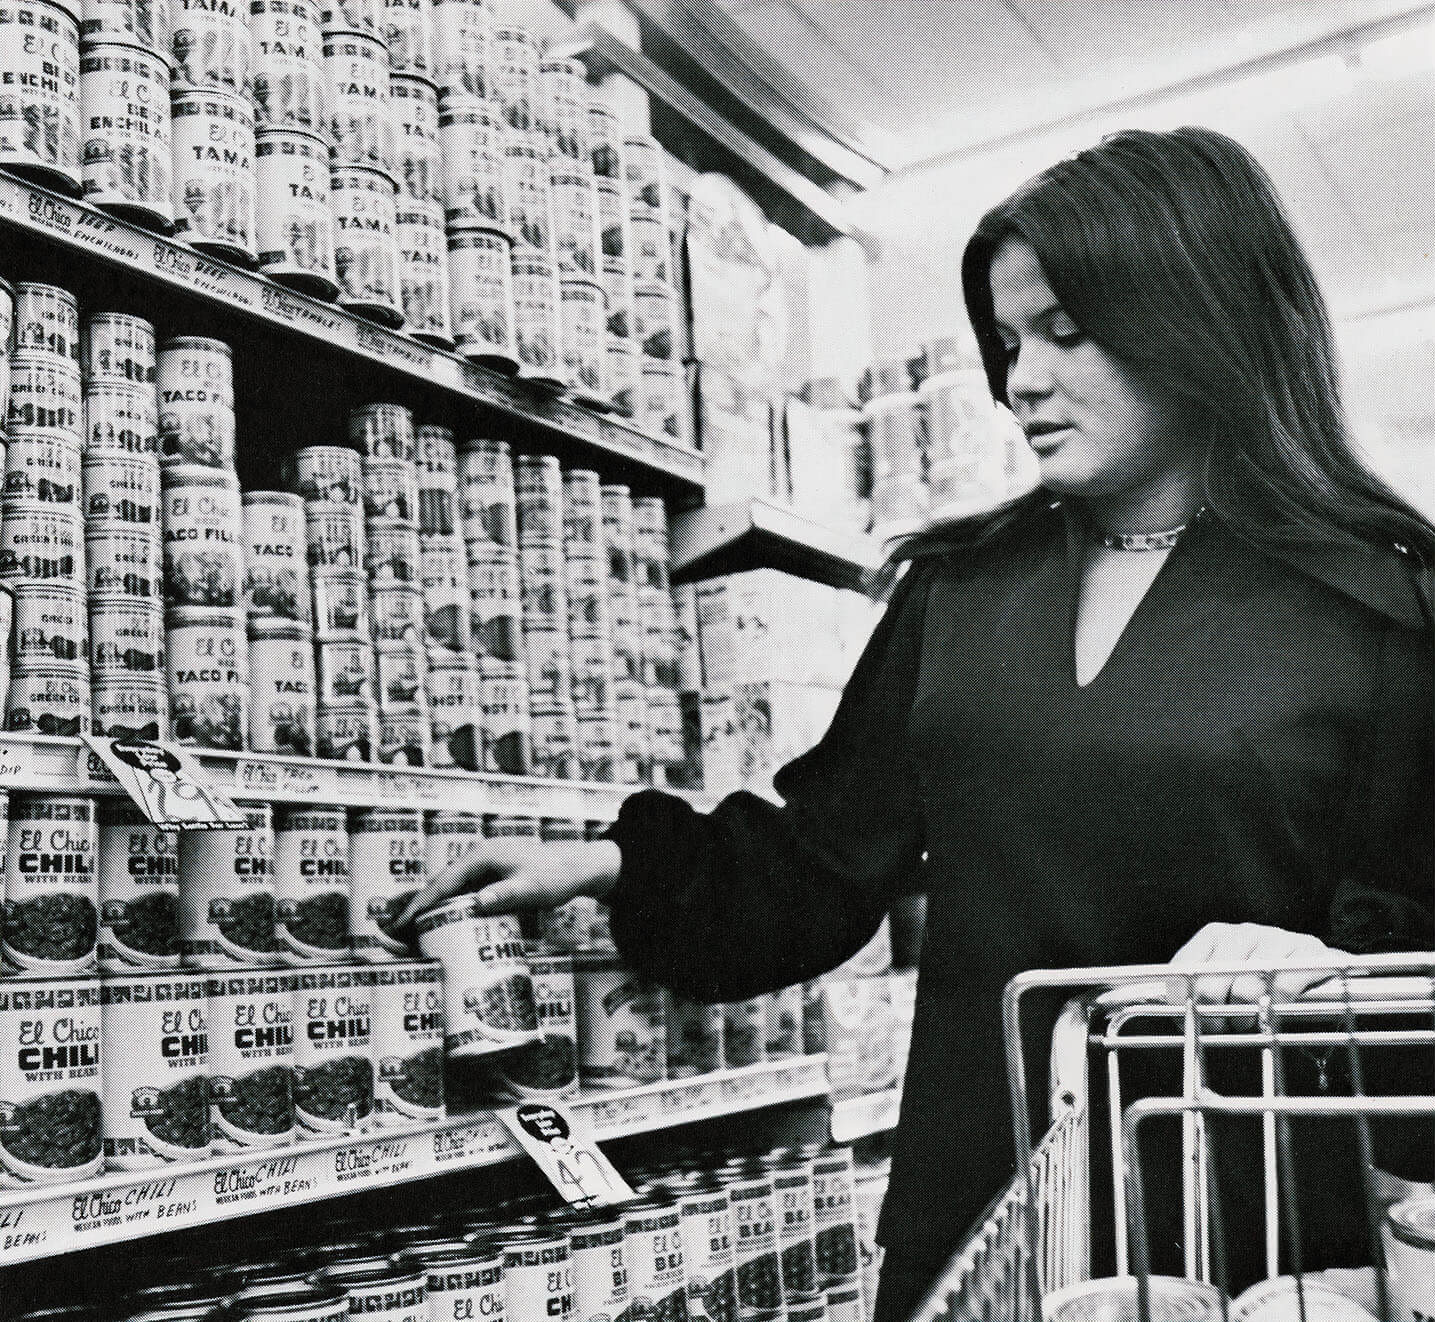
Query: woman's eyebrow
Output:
(1051,310)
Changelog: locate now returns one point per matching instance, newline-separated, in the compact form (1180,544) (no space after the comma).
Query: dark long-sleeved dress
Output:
(1260,747)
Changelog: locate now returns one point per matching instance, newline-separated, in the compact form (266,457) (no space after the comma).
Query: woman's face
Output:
(1096,431)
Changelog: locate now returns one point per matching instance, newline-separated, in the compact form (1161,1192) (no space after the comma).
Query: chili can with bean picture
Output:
(793,1211)
(311,883)
(622,1038)
(295,226)
(276,578)
(51,1129)
(547,1068)
(481,297)
(226,894)
(834,1218)
(121,421)
(138,890)
(156,1085)
(214,188)
(40,129)
(387,850)
(408,1044)
(333,1031)
(127,156)
(208,678)
(195,379)
(288,65)
(251,1053)
(51,885)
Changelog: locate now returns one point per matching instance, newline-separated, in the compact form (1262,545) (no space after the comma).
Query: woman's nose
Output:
(1030,378)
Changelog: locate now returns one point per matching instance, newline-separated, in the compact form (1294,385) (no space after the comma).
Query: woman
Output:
(1175,704)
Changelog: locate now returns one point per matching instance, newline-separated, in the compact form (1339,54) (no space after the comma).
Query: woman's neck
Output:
(1163,503)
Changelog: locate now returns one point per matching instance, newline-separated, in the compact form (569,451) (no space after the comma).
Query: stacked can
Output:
(655,304)
(659,623)
(384,434)
(40,129)
(363,194)
(203,530)
(590,626)
(330,480)
(212,58)
(418,167)
(42,532)
(125,145)
(546,646)
(123,513)
(622,377)
(630,705)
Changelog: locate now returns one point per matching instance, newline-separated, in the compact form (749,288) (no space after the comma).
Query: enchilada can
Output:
(41,542)
(348,734)
(295,226)
(226,894)
(214,189)
(251,1055)
(203,538)
(333,1066)
(423,272)
(52,894)
(118,349)
(45,468)
(401,670)
(46,317)
(49,700)
(289,88)
(276,579)
(393,553)
(128,706)
(382,432)
(128,166)
(408,1044)
(463,40)
(361,124)
(481,297)
(366,242)
(475,187)
(281,670)
(120,491)
(488,987)
(418,158)
(583,320)
(126,637)
(141,21)
(120,420)
(208,678)
(605,139)
(386,854)
(398,616)
(507,721)
(622,1040)
(195,380)
(210,47)
(311,883)
(575,220)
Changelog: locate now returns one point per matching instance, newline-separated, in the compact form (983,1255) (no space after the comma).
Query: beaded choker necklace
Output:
(1147,541)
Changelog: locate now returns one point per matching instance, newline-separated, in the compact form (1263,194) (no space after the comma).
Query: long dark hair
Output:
(1172,252)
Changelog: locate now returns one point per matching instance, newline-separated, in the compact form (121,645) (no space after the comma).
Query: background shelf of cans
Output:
(129,1206)
(855,1118)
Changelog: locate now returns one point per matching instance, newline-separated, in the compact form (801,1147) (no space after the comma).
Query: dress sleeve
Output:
(752,897)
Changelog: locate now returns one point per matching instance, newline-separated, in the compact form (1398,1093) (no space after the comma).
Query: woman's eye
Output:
(1066,333)
(1009,352)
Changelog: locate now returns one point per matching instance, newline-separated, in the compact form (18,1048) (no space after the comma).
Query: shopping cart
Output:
(1035,1236)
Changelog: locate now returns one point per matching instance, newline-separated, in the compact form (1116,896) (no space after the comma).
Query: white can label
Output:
(346,674)
(124,91)
(129,707)
(398,614)
(118,349)
(450,836)
(52,889)
(408,1044)
(391,491)
(214,191)
(41,541)
(125,562)
(538,1280)
(409,30)
(360,121)
(528,192)
(311,883)
(44,395)
(251,1053)
(387,857)
(336,536)
(423,254)
(366,245)
(121,490)
(475,189)
(463,36)
(128,638)
(120,420)
(276,579)
(210,46)
(288,65)
(55,700)
(481,293)
(196,407)
(41,125)
(341,605)
(549,1066)
(600,1272)
(535,316)
(296,227)
(584,325)
(575,223)
(488,990)
(226,894)
(281,673)
(44,468)
(209,682)
(143,22)
(393,554)
(333,1068)
(621,1033)
(653,1245)
(50,624)
(139,893)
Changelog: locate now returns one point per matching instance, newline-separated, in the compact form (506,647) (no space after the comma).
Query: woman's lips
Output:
(1043,442)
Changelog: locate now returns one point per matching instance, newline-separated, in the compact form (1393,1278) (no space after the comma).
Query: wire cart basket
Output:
(1028,1257)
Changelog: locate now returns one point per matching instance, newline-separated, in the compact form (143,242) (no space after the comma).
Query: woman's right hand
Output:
(510,875)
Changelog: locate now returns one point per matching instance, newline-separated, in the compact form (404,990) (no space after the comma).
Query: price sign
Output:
(170,788)
(569,1160)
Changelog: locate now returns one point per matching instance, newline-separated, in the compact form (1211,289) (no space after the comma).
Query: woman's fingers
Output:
(1250,943)
(463,874)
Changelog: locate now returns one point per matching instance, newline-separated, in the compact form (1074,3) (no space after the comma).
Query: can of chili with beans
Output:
(537,1273)
(52,889)
(622,1039)
(139,892)
(251,1053)
(450,836)
(548,1067)
(333,1036)
(833,1217)
(792,1204)
(226,894)
(462,1281)
(600,1271)
(50,1044)
(408,1044)
(311,883)
(387,862)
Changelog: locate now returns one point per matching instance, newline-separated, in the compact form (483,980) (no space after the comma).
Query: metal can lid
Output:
(444,1252)
(197,342)
(1113,1299)
(204,617)
(363,178)
(199,475)
(155,1302)
(516,1234)
(264,629)
(272,498)
(374,1270)
(282,1305)
(1413,1222)
(1275,1301)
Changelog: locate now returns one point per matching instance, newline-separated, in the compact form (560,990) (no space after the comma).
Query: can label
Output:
(621,1036)
(121,421)
(41,542)
(335,535)
(387,858)
(196,404)
(366,250)
(398,615)
(590,627)
(456,712)
(535,316)
(346,674)
(341,602)
(540,499)
(597,747)
(329,474)
(618,291)
(214,186)
(475,191)
(311,883)
(128,637)
(555,742)
(295,225)
(792,1204)
(759,1271)
(226,894)
(404,738)
(347,734)
(251,1053)
(139,892)
(53,700)
(565,107)
(486,493)
(52,895)
(360,123)
(507,723)
(125,562)
(383,432)
(495,596)
(648,245)
(408,1044)
(625,384)
(333,1072)
(583,327)
(694,1038)
(118,349)
(281,669)
(41,130)
(276,585)
(470,1289)
(45,468)
(203,539)
(438,464)
(401,678)
(208,679)
(709,1260)
(444,576)
(653,1248)
(582,514)
(575,222)
(600,1272)
(662,399)
(449,837)
(423,271)
(120,490)
(140,21)
(605,137)
(549,658)
(653,320)
(130,707)
(288,65)
(481,293)
(353,15)
(528,195)
(44,395)
(393,553)
(834,1217)
(515,77)
(409,31)
(51,1129)
(549,1066)
(463,36)
(643,166)
(210,46)
(124,91)
(46,317)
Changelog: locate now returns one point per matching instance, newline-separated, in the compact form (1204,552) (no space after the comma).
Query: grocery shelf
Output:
(132,1205)
(38,762)
(37,215)
(860,1117)
(724,538)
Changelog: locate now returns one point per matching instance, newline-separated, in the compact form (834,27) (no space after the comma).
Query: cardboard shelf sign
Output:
(167,784)
(570,1160)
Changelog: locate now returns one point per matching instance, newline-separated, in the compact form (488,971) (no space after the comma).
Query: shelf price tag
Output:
(167,783)
(571,1163)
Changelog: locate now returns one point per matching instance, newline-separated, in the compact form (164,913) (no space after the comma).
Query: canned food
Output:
(303,1303)
(409,31)
(659,620)
(45,394)
(347,734)
(127,706)
(648,250)
(844,1304)
(156,1090)
(486,503)
(361,123)
(46,318)
(509,826)
(382,432)
(455,711)
(333,1032)
(210,47)
(40,104)
(329,473)
(214,191)
(792,1206)
(475,192)
(643,164)
(281,672)
(127,636)
(539,488)
(138,892)
(654,320)
(51,887)
(362,16)
(528,194)
(653,1250)
(401,670)
(124,91)
(226,894)
(203,537)
(759,1269)
(507,724)
(582,513)
(662,399)
(694,1036)
(618,295)
(555,741)
(143,22)
(463,1281)
(208,678)
(709,1259)
(481,296)
(582,329)
(346,673)
(335,535)
(621,1037)
(393,552)
(783,1036)
(548,1067)
(625,383)
(52,700)
(251,1053)
(444,575)
(745,1032)
(575,221)
(515,77)
(44,468)
(1116,1296)
(398,615)
(366,243)
(450,836)
(288,65)
(605,139)
(50,1044)
(41,541)
(495,602)
(404,738)
(381,1291)
(387,860)
(463,35)
(408,1045)
(550,664)
(488,989)
(121,422)
(564,85)
(311,883)
(598,754)
(195,379)
(650,539)
(664,726)
(833,1217)
(121,491)
(295,225)
(276,580)
(118,349)
(423,272)
(438,468)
